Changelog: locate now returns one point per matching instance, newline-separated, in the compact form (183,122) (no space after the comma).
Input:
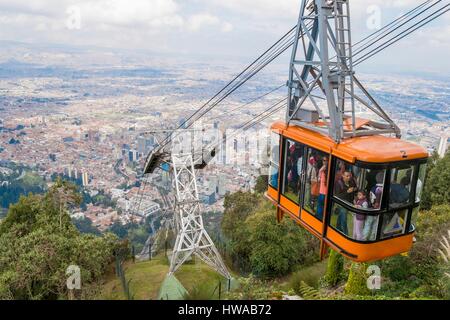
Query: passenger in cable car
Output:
(399,195)
(298,161)
(323,187)
(313,186)
(359,219)
(400,187)
(293,170)
(340,171)
(376,193)
(406,180)
(345,189)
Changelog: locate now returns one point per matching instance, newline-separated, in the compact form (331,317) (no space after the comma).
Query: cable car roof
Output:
(371,149)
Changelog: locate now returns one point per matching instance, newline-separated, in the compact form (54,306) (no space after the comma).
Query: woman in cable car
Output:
(360,197)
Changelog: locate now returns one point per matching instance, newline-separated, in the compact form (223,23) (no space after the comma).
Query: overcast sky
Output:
(241,28)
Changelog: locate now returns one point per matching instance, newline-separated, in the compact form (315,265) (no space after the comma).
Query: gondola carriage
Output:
(338,165)
(360,197)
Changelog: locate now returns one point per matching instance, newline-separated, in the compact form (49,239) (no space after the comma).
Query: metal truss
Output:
(192,238)
(187,154)
(166,216)
(314,76)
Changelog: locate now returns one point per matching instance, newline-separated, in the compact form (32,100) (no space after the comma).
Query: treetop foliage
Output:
(38,242)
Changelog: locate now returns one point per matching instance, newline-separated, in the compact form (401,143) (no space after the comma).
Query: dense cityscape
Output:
(89,121)
(237,153)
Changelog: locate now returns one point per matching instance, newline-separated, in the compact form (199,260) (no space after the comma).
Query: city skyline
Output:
(215,29)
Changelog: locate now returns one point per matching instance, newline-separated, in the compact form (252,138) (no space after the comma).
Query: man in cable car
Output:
(345,189)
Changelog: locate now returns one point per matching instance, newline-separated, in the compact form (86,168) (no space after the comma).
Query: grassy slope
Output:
(310,275)
(146,278)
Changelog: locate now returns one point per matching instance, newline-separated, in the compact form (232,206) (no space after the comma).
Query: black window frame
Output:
(283,176)
(385,200)
(412,192)
(416,179)
(271,163)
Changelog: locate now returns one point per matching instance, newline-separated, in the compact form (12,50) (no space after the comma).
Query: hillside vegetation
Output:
(38,241)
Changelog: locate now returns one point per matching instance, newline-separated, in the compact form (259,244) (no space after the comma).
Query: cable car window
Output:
(293,169)
(316,184)
(414,217)
(401,182)
(274,159)
(359,187)
(420,181)
(394,223)
(357,226)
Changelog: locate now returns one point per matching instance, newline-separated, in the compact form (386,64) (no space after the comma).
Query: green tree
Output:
(420,273)
(85,226)
(238,207)
(258,244)
(262,183)
(436,190)
(38,242)
(357,280)
(335,267)
(276,248)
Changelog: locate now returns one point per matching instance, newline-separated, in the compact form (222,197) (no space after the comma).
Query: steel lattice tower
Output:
(185,156)
(192,238)
(321,69)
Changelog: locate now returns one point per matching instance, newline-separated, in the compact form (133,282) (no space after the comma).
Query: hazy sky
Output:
(241,28)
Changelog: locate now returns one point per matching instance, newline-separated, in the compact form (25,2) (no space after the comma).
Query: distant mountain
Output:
(14,68)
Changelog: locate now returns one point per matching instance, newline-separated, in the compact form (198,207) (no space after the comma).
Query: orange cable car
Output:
(351,182)
(360,197)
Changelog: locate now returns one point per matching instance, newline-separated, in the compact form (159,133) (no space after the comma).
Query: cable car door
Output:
(315,188)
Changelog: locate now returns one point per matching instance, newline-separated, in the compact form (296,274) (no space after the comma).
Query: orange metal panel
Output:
(344,156)
(300,222)
(310,140)
(366,252)
(272,193)
(290,206)
(311,221)
(372,149)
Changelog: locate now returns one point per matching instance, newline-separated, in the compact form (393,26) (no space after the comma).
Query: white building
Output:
(148,208)
(124,204)
(443,146)
(117,193)
(85,179)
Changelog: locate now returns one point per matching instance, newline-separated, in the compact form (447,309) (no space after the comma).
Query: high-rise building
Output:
(75,174)
(117,153)
(443,146)
(213,183)
(222,186)
(145,145)
(85,179)
(133,155)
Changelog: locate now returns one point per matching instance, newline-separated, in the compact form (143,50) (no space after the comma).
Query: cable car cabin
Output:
(360,197)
